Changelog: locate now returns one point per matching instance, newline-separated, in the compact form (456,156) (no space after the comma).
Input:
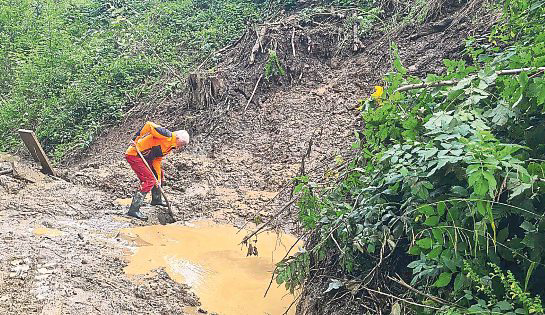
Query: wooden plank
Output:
(35,149)
(29,143)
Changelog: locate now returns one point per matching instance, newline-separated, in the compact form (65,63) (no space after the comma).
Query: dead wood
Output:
(258,43)
(253,93)
(204,89)
(293,42)
(274,217)
(453,82)
(357,44)
(4,172)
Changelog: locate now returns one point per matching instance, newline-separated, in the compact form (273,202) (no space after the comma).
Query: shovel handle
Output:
(156,181)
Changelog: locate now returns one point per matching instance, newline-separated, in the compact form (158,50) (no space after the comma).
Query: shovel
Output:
(164,218)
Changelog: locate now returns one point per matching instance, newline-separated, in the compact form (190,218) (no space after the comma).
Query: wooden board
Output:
(35,149)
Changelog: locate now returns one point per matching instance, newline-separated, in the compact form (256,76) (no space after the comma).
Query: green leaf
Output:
(501,114)
(434,253)
(443,280)
(427,184)
(481,186)
(481,208)
(502,234)
(527,226)
(429,153)
(415,250)
(541,97)
(504,305)
(492,184)
(432,221)
(424,243)
(458,282)
(463,84)
(450,263)
(441,208)
(459,191)
(438,234)
(427,210)
(529,275)
(522,187)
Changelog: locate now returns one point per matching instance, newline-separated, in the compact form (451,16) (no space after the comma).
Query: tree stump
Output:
(205,89)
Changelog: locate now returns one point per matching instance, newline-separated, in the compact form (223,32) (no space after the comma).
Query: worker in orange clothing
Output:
(154,142)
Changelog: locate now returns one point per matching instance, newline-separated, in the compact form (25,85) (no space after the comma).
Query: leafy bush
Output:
(449,177)
(70,68)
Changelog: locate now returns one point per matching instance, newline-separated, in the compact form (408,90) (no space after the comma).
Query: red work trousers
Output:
(147,181)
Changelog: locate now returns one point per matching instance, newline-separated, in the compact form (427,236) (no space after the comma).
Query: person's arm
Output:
(156,164)
(155,130)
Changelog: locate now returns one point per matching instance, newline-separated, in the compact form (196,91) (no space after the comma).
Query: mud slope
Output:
(244,147)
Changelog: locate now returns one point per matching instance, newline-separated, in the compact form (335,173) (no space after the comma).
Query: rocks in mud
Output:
(42,278)
(20,268)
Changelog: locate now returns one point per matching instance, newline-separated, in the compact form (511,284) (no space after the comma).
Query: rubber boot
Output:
(156,199)
(134,209)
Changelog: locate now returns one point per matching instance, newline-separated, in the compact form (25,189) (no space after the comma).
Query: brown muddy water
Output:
(207,257)
(40,230)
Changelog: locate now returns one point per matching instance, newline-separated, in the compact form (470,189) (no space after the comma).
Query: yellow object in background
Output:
(378,94)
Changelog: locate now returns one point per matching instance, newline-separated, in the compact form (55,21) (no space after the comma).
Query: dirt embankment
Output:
(248,143)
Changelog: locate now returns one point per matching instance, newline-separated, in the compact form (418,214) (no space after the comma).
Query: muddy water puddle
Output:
(207,257)
(40,230)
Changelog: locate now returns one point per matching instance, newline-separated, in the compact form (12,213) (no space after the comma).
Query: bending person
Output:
(154,142)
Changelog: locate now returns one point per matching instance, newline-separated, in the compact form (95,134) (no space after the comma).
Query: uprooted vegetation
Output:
(440,210)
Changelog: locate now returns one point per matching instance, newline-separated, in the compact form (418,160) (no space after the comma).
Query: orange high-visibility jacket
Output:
(154,142)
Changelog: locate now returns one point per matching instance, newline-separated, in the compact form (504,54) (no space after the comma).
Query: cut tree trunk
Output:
(204,89)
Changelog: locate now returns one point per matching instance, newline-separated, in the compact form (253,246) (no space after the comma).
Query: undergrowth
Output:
(70,68)
(449,178)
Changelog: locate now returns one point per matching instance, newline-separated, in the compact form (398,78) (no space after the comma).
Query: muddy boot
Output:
(134,210)
(156,199)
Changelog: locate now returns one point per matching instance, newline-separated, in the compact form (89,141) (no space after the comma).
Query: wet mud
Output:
(209,258)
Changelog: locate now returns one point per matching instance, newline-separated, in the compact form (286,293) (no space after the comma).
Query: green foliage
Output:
(451,177)
(292,271)
(69,68)
(289,5)
(273,67)
(496,292)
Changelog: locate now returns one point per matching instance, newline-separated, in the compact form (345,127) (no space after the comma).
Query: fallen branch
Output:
(253,93)
(4,172)
(286,255)
(275,216)
(293,42)
(302,166)
(401,299)
(453,82)
(431,297)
